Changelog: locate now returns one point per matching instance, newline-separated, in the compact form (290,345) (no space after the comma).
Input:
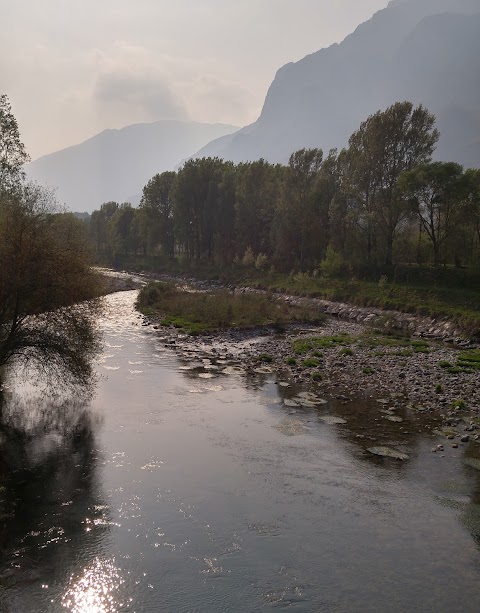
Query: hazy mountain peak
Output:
(420,50)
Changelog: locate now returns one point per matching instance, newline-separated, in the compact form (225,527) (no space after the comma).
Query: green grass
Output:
(311,363)
(445,364)
(467,362)
(304,346)
(199,312)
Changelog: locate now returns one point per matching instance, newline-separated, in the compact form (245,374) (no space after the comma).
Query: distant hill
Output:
(116,164)
(426,51)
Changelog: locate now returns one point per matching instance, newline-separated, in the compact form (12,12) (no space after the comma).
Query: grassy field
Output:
(199,312)
(448,293)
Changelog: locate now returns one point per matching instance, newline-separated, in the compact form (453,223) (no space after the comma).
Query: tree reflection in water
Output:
(52,509)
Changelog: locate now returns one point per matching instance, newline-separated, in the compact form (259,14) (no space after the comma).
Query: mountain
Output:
(426,51)
(116,164)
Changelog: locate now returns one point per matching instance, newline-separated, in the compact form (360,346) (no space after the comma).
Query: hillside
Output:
(116,164)
(426,51)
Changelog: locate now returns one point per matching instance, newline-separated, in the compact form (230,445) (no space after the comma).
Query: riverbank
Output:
(445,300)
(346,359)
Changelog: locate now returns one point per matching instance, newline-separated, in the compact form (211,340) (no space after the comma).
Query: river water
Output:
(176,492)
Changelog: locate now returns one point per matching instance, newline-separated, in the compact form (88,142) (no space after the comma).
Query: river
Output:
(183,490)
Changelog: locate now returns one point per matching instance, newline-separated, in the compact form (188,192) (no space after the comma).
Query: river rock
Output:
(388,452)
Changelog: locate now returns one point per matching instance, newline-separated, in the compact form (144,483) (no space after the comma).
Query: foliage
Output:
(332,264)
(261,261)
(47,287)
(436,193)
(12,151)
(208,311)
(248,257)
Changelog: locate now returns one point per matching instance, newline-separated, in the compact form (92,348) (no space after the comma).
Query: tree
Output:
(472,190)
(47,287)
(436,190)
(157,205)
(12,151)
(387,144)
(256,195)
(197,198)
(100,225)
(297,209)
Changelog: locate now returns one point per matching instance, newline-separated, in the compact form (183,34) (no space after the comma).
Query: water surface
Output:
(183,490)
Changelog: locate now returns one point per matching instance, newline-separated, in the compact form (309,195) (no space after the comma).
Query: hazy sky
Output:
(75,67)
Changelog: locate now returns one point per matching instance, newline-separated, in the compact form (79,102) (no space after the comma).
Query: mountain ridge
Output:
(321,99)
(116,163)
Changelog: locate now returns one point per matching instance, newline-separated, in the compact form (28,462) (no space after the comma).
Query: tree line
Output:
(377,202)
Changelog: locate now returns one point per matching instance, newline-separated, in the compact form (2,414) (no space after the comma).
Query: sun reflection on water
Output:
(94,590)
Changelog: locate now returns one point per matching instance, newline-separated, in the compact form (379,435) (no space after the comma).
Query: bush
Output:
(248,259)
(332,264)
(261,261)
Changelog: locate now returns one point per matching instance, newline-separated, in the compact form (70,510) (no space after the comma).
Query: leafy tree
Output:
(46,287)
(297,206)
(157,205)
(435,189)
(472,190)
(197,200)
(387,144)
(120,229)
(257,192)
(100,224)
(12,151)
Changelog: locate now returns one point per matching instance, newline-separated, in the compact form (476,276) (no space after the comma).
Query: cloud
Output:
(212,99)
(126,96)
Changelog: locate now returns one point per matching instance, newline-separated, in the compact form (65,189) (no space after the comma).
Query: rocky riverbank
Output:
(440,329)
(414,373)
(409,379)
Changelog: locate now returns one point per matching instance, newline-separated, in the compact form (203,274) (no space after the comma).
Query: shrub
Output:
(261,261)
(248,259)
(332,264)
